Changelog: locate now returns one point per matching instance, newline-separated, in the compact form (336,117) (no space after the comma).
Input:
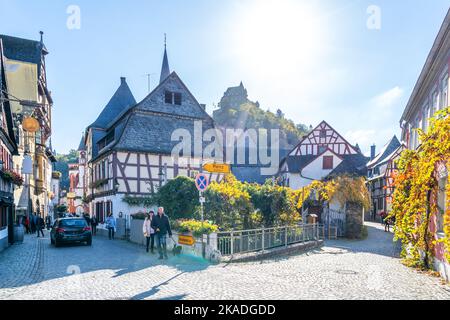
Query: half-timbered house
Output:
(130,146)
(321,154)
(8,148)
(26,77)
(380,172)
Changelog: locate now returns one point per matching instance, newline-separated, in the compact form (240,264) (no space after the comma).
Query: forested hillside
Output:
(249,115)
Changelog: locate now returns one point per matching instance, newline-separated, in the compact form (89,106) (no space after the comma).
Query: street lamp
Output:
(162,174)
(116,185)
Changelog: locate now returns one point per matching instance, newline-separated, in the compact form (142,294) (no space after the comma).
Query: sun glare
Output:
(274,38)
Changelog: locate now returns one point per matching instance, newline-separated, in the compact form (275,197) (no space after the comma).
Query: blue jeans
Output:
(162,245)
(111,233)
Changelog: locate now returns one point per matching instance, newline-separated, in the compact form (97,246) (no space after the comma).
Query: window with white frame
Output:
(435,102)
(426,118)
(444,92)
(442,202)
(418,126)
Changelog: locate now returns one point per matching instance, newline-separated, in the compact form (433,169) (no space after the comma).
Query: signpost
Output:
(186,240)
(217,168)
(202,183)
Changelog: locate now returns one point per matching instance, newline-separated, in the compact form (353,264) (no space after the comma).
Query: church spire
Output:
(165,70)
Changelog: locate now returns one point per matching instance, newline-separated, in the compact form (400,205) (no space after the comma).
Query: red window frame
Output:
(327,162)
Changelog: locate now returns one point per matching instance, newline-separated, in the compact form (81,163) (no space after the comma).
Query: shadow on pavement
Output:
(121,256)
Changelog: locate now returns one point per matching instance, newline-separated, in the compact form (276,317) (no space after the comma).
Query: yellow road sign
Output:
(217,168)
(186,240)
(71,195)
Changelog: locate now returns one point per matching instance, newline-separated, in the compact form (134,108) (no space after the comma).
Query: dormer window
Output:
(172,98)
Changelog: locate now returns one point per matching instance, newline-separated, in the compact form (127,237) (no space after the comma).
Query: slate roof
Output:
(120,102)
(190,107)
(354,164)
(250,174)
(165,69)
(21,49)
(152,133)
(82,145)
(297,163)
(148,125)
(6,106)
(385,153)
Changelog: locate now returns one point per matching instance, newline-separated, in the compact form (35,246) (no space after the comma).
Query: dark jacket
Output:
(163,224)
(40,223)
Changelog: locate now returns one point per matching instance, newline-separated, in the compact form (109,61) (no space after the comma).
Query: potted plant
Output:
(195,228)
(12,176)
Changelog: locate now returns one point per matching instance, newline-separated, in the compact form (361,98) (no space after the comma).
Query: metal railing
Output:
(245,241)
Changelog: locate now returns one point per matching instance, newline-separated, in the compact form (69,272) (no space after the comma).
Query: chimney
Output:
(373,152)
(123,80)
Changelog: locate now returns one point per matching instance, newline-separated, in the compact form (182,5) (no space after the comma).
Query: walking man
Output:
(39,225)
(161,225)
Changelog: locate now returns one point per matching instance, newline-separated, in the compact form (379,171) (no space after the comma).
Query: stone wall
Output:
(354,222)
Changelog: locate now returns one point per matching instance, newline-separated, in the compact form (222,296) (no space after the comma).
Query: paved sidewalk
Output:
(368,269)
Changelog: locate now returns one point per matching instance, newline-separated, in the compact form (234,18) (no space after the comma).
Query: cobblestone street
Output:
(368,269)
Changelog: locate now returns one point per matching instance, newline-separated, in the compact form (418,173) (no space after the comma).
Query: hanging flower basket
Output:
(12,177)
(99,183)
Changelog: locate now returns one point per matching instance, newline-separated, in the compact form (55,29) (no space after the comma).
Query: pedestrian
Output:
(33,223)
(94,224)
(48,222)
(40,224)
(387,222)
(27,225)
(149,232)
(111,226)
(88,220)
(161,225)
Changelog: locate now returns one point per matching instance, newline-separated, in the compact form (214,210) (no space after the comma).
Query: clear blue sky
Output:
(316,60)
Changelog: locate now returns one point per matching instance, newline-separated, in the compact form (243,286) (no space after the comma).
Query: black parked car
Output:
(70,230)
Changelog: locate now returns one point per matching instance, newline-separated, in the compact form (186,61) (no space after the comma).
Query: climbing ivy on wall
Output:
(414,204)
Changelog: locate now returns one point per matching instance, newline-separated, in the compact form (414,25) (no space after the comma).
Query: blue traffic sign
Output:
(201,182)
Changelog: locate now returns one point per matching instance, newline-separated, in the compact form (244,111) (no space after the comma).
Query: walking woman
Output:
(149,232)
(111,226)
